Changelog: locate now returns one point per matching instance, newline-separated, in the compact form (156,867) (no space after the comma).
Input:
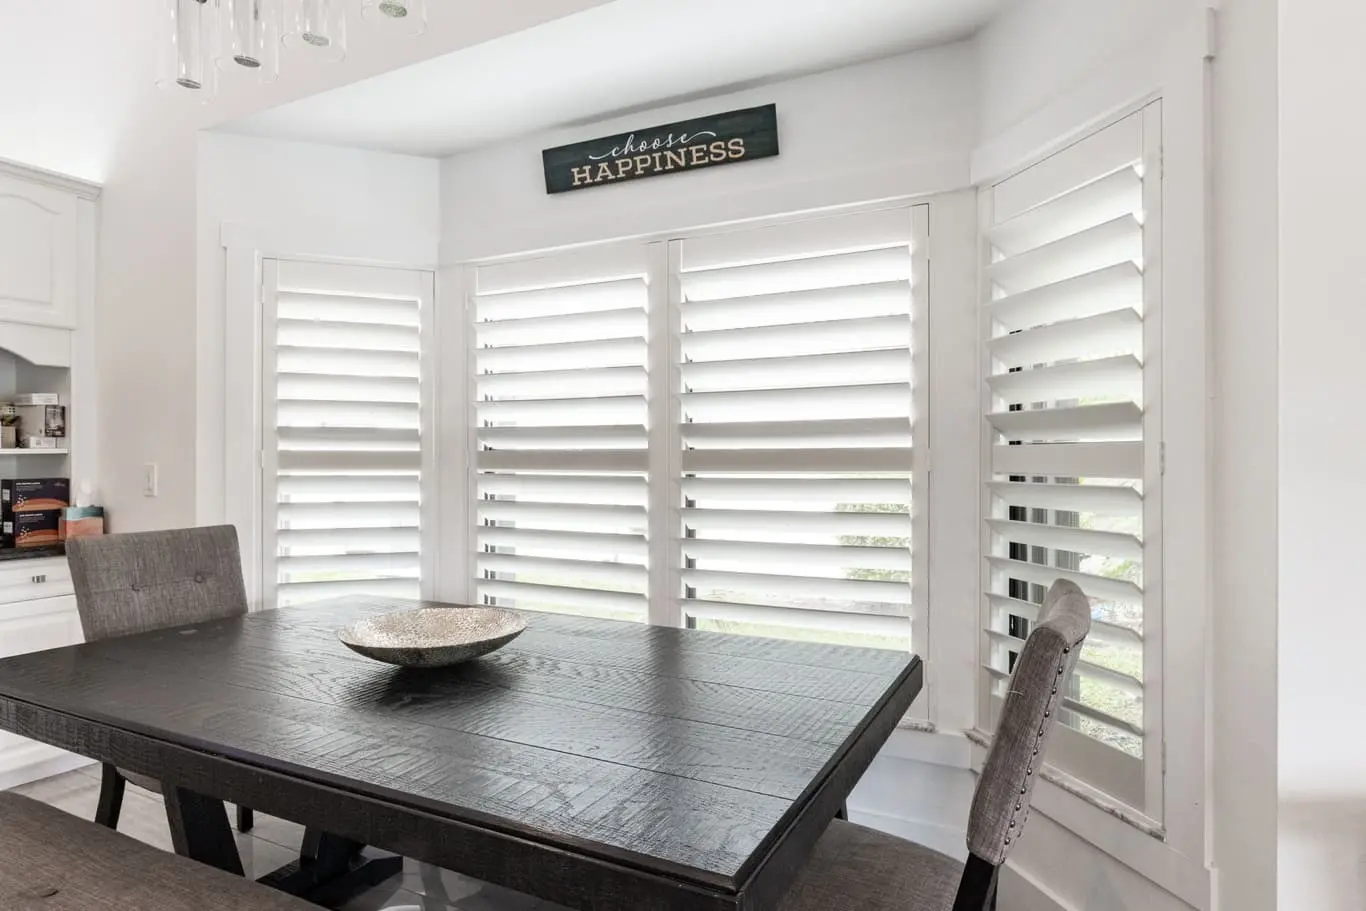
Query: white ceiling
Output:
(609,60)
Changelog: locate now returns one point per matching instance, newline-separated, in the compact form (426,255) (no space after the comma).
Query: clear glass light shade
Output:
(396,17)
(187,58)
(319,25)
(251,31)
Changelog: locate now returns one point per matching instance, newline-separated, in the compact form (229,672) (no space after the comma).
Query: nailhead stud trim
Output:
(1043,729)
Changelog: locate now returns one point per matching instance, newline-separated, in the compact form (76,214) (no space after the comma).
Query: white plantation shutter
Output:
(796,375)
(343,407)
(1071,392)
(560,411)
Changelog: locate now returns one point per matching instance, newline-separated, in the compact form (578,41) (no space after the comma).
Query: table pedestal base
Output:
(330,869)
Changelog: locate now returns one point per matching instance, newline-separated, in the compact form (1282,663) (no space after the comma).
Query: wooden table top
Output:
(683,754)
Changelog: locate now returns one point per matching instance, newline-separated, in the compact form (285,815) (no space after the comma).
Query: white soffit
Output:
(609,60)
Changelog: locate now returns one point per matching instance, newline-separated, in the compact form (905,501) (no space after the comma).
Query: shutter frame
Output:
(1072,393)
(345,408)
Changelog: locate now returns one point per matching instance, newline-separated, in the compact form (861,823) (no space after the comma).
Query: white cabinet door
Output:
(39,253)
(30,626)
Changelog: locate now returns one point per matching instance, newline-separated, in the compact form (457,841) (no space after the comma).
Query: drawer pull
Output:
(38,580)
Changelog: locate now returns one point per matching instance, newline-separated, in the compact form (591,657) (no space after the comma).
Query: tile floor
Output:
(272,843)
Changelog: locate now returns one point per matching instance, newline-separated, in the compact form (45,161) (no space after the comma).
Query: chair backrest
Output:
(133,583)
(1000,805)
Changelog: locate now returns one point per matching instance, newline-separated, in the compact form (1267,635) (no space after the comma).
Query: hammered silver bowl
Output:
(433,636)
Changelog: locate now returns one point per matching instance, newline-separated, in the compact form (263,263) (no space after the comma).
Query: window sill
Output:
(1083,792)
(1124,834)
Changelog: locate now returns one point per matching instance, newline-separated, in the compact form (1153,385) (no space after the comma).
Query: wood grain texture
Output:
(651,759)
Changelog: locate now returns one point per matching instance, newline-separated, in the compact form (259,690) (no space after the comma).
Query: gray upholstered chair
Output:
(858,869)
(135,583)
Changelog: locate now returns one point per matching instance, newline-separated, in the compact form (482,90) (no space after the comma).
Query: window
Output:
(560,411)
(1072,391)
(714,431)
(796,376)
(343,408)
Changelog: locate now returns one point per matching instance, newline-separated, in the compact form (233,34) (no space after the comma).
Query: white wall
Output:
(895,127)
(80,98)
(1243,678)
(1040,48)
(299,198)
(1322,745)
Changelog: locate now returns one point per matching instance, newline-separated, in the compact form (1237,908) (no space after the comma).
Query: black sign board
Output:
(705,142)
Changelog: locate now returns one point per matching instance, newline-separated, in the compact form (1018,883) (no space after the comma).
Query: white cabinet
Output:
(37,612)
(40,252)
(47,281)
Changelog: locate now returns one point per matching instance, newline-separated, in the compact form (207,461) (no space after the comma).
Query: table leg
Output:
(330,870)
(200,830)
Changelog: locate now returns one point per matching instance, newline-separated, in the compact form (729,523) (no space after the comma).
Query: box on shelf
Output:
(82,522)
(33,495)
(9,436)
(42,528)
(41,422)
(35,398)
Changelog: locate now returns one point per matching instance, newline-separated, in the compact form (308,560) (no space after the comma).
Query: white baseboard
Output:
(948,840)
(1019,892)
(34,762)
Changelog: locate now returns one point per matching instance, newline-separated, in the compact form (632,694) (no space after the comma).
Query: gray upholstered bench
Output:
(53,861)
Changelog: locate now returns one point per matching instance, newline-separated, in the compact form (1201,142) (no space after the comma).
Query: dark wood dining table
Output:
(603,765)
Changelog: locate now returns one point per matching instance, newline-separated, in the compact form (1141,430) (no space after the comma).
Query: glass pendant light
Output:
(319,25)
(396,17)
(251,37)
(187,60)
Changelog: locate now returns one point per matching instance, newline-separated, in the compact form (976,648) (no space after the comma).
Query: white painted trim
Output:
(454,491)
(85,442)
(50,346)
(923,633)
(1021,892)
(229,419)
(396,248)
(429,519)
(1174,68)
(1125,83)
(945,749)
(664,602)
(1155,859)
(82,189)
(950,472)
(239,424)
(901,184)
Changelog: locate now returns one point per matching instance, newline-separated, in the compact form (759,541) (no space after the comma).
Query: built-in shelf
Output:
(32,452)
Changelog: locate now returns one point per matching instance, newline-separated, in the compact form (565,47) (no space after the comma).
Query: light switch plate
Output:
(149,479)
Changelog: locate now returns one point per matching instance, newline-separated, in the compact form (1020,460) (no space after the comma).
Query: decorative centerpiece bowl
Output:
(433,636)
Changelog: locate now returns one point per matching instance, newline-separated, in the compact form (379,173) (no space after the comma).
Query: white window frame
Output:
(665,606)
(1150,813)
(268,458)
(1177,71)
(237,432)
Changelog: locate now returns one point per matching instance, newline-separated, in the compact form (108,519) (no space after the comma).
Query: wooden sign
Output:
(705,142)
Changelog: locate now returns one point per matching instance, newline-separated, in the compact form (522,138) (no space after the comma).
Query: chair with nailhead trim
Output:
(853,868)
(145,581)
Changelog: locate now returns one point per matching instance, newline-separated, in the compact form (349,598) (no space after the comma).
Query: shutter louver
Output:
(344,401)
(796,376)
(1071,304)
(560,406)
